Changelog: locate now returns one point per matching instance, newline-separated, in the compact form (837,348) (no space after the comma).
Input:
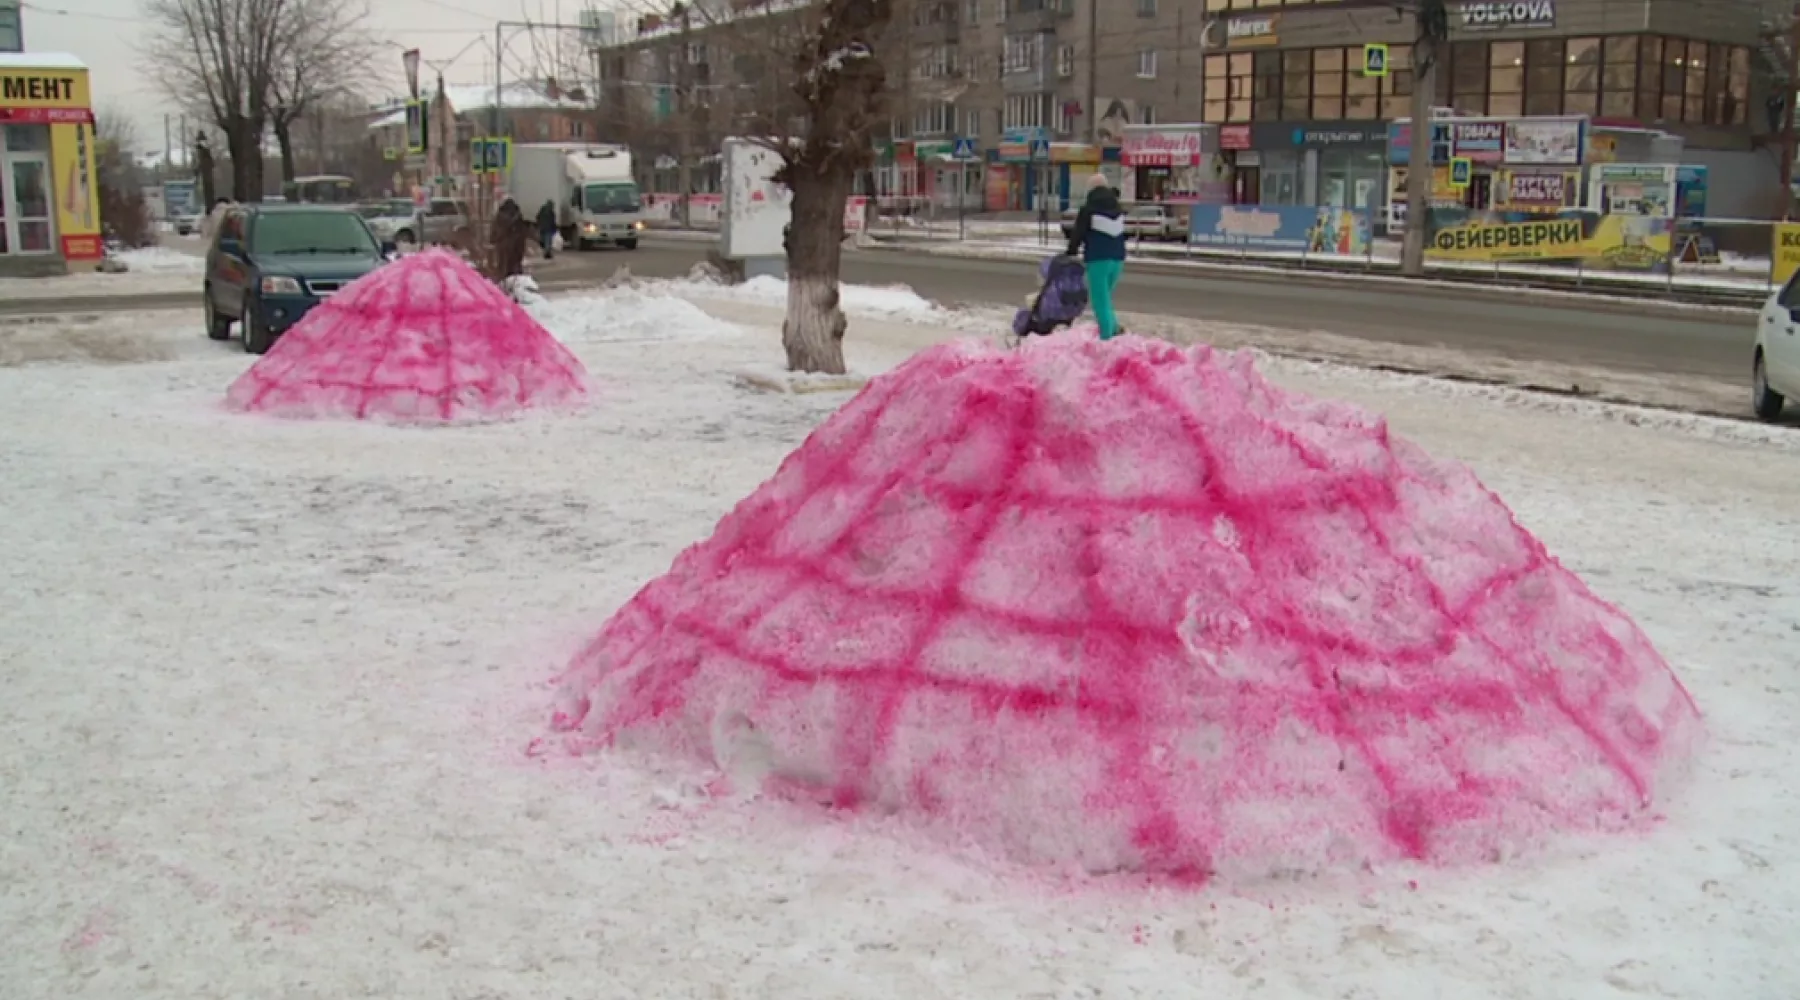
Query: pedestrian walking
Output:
(546,227)
(508,239)
(1099,237)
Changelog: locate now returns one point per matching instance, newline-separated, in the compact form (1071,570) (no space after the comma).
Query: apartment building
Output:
(1298,122)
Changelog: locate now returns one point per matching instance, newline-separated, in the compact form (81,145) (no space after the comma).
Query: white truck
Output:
(596,198)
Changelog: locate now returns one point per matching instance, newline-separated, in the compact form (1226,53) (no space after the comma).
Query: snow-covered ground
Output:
(151,271)
(270,688)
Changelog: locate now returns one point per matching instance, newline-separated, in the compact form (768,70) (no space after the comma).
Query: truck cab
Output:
(605,205)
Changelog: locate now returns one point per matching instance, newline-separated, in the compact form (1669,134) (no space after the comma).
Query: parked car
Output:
(268,265)
(1154,222)
(1775,362)
(187,225)
(446,220)
(395,220)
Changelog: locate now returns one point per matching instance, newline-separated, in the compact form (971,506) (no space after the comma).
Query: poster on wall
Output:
(1535,191)
(1115,115)
(1623,243)
(1633,189)
(756,209)
(1280,228)
(1546,141)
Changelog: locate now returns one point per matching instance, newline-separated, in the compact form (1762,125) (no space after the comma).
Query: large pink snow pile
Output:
(425,339)
(1131,607)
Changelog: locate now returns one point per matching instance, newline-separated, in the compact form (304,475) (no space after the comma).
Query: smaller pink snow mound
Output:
(1133,608)
(425,339)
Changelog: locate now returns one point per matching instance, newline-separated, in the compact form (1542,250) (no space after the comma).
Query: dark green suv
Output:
(268,265)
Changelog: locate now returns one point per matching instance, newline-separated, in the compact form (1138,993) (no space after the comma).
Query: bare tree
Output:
(326,54)
(222,55)
(118,178)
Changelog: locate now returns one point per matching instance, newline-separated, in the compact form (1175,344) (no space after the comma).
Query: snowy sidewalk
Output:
(291,761)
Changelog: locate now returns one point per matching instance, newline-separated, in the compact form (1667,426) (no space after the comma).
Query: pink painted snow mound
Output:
(423,340)
(1130,607)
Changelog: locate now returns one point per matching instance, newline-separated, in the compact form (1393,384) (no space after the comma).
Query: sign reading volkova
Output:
(1493,15)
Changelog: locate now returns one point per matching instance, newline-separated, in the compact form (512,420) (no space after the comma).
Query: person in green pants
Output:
(1099,236)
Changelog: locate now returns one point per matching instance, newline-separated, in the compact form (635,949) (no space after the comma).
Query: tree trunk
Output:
(813,334)
(243,154)
(284,138)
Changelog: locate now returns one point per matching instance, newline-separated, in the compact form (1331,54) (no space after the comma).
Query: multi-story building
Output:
(527,112)
(1298,121)
(1304,125)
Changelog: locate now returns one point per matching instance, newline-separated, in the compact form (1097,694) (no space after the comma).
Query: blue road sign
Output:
(965,148)
(1040,149)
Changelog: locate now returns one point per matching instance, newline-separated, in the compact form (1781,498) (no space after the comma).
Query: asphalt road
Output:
(1522,326)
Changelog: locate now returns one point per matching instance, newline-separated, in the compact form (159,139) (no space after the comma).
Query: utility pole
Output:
(1093,70)
(1790,87)
(1432,28)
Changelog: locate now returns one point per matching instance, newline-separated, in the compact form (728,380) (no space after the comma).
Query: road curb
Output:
(1461,289)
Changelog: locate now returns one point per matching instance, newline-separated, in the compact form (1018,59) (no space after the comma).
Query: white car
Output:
(1775,374)
(395,220)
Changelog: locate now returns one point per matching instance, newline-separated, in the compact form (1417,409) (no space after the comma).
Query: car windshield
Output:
(611,198)
(311,233)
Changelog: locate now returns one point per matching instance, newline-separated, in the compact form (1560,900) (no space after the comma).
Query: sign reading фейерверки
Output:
(1493,15)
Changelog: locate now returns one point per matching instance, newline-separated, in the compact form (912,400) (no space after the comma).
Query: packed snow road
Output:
(270,688)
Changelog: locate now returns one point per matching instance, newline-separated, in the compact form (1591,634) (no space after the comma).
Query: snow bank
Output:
(1128,607)
(425,339)
(627,314)
(161,260)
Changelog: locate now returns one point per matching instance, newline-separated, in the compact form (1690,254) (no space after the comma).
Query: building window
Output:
(1469,77)
(1266,87)
(1027,111)
(1296,85)
(1146,8)
(1021,52)
(1619,78)
(1506,78)
(1544,76)
(1065,61)
(974,11)
(936,118)
(11,39)
(1396,87)
(1147,115)
(1146,64)
(1328,84)
(1734,108)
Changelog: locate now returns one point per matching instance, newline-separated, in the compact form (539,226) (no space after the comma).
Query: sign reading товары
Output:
(1492,15)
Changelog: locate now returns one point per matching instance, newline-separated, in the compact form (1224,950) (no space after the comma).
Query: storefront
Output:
(1174,163)
(1516,165)
(1015,181)
(49,202)
(1330,164)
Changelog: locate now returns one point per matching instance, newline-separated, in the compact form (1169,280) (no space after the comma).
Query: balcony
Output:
(1038,15)
(1025,81)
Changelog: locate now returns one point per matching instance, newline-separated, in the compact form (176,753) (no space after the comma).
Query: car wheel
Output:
(217,326)
(1765,401)
(403,236)
(256,339)
(630,244)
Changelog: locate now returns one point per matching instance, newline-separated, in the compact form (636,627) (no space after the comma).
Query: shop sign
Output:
(1496,15)
(1785,253)
(1235,137)
(1317,135)
(1280,228)
(1626,243)
(1479,141)
(1545,141)
(47,96)
(1521,190)
(1244,31)
(1163,147)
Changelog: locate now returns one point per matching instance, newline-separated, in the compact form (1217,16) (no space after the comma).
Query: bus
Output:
(321,189)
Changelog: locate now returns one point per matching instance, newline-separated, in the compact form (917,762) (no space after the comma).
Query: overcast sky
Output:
(105,33)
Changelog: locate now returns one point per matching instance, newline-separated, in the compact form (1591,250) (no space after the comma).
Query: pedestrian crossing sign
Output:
(1462,171)
(1375,59)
